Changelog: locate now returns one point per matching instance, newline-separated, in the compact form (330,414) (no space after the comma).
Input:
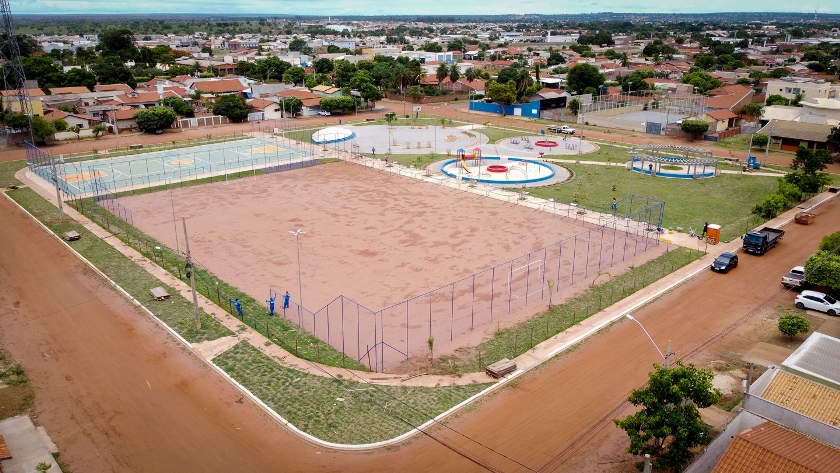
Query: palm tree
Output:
(624,59)
(454,74)
(441,74)
(401,76)
(523,82)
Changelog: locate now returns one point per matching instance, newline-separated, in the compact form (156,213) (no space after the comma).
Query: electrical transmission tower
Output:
(14,79)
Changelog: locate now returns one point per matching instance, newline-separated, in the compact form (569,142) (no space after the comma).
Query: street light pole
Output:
(665,356)
(174,223)
(297,235)
(580,138)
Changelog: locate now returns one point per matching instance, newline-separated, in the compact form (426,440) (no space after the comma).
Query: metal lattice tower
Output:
(14,79)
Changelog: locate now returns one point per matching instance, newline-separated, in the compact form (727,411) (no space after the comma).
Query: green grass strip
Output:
(255,314)
(337,409)
(177,312)
(512,342)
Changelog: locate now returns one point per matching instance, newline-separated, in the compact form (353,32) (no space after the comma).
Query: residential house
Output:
(68,90)
(311,101)
(463,86)
(219,86)
(792,135)
(121,119)
(327,91)
(790,87)
(731,97)
(123,88)
(270,109)
(73,119)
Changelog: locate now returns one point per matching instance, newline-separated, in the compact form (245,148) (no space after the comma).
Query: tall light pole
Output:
(174,223)
(580,138)
(769,137)
(191,275)
(297,235)
(665,356)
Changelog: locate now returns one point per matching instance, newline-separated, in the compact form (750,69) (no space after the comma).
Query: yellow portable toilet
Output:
(713,233)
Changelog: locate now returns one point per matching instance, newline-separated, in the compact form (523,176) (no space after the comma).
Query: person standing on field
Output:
(286,300)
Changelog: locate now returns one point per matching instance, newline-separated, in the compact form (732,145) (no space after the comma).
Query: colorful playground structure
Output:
(496,170)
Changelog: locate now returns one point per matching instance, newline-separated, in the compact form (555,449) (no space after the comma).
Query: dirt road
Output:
(117,394)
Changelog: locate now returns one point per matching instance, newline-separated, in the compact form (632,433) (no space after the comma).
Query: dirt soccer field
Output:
(118,394)
(380,239)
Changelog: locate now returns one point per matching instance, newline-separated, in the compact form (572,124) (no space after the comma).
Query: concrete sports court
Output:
(157,167)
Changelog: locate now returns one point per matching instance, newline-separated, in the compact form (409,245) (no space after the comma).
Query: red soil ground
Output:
(379,239)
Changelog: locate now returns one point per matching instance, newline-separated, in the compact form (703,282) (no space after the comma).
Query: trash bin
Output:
(713,233)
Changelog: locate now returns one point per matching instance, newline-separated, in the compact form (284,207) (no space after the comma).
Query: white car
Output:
(324,113)
(818,301)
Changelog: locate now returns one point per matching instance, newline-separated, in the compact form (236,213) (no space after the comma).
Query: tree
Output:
(297,44)
(338,104)
(831,243)
(370,93)
(16,121)
(111,70)
(823,269)
(442,73)
(231,106)
(703,81)
(294,75)
(574,106)
(808,166)
(582,76)
(555,58)
(754,109)
(760,140)
(323,65)
(669,424)
(833,138)
(791,324)
(41,128)
(415,92)
(60,124)
(154,118)
(97,130)
(44,70)
(454,73)
(777,99)
(694,127)
(119,42)
(79,77)
(502,93)
(292,105)
(178,105)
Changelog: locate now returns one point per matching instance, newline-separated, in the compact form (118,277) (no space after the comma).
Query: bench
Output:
(136,146)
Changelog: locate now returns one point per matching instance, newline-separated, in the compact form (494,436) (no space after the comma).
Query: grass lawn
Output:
(512,342)
(177,312)
(8,170)
(339,410)
(727,199)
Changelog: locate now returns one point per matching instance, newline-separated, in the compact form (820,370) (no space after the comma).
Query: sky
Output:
(403,7)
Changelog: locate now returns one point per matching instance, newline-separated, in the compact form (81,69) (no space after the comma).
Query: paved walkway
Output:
(29,446)
(525,362)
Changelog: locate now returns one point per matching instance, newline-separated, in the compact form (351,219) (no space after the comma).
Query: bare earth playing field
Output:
(378,239)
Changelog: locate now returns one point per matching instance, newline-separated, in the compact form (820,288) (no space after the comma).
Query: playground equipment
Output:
(475,156)
(683,162)
(501,171)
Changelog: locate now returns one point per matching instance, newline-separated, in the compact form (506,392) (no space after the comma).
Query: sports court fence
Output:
(104,197)
(397,332)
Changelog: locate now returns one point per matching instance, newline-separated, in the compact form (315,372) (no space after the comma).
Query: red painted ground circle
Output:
(497,168)
(546,143)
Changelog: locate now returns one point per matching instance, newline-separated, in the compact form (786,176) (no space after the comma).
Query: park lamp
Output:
(663,355)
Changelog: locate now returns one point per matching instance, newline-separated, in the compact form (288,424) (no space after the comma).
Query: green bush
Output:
(791,324)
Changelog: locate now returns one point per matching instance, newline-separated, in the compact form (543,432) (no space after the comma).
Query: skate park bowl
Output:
(504,171)
(333,134)
(673,161)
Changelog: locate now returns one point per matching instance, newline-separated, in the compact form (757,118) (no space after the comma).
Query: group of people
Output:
(238,305)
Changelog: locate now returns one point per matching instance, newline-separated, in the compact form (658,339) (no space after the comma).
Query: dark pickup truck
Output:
(758,242)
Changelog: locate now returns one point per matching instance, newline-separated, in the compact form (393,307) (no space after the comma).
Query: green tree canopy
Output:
(669,425)
(823,269)
(178,105)
(791,324)
(292,105)
(574,106)
(703,81)
(297,44)
(60,124)
(582,76)
(231,106)
(323,65)
(777,99)
(41,128)
(694,127)
(294,75)
(154,118)
(831,243)
(80,77)
(111,70)
(118,42)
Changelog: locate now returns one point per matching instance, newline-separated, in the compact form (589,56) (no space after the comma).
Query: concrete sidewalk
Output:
(28,444)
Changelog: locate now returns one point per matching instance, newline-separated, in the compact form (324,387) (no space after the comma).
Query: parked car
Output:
(818,301)
(795,278)
(324,113)
(566,129)
(725,262)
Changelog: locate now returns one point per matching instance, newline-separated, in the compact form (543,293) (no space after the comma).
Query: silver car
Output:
(818,301)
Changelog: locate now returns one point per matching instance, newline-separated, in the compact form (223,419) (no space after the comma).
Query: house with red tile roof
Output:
(220,87)
(270,109)
(311,101)
(124,88)
(73,119)
(69,90)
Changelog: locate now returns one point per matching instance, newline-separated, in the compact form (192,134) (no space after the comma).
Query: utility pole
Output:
(191,274)
(57,189)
